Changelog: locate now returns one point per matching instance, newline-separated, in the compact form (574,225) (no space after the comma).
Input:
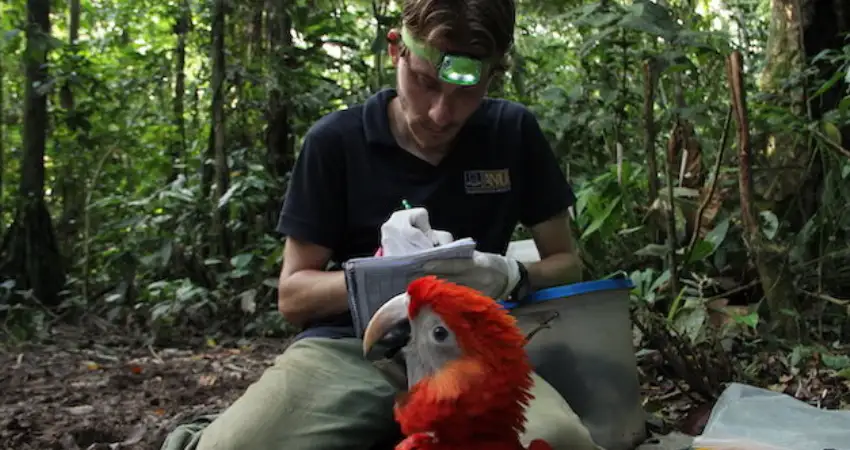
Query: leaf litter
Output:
(88,393)
(681,381)
(78,394)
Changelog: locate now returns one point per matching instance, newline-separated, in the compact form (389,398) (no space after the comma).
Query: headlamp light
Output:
(451,67)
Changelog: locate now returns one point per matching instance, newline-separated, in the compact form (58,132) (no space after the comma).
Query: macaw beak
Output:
(388,330)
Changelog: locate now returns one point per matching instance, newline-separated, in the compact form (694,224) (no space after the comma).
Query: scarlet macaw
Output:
(469,375)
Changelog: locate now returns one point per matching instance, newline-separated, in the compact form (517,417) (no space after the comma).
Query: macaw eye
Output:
(440,334)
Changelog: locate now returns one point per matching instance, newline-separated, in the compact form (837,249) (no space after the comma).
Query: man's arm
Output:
(559,260)
(312,219)
(305,291)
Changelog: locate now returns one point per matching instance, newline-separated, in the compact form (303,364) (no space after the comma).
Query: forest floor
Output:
(84,391)
(87,392)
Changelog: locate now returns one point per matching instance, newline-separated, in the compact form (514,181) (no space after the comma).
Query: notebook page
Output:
(374,280)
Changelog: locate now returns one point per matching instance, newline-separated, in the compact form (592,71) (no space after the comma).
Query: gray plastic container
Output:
(586,353)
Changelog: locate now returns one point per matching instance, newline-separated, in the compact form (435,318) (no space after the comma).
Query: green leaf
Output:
(589,43)
(658,250)
(832,132)
(770,223)
(225,198)
(241,260)
(690,322)
(247,301)
(844,104)
(835,362)
(718,233)
(631,230)
(703,249)
(600,220)
(185,292)
(553,94)
(160,311)
(798,355)
(828,85)
(751,320)
(650,18)
(685,192)
(165,253)
(663,278)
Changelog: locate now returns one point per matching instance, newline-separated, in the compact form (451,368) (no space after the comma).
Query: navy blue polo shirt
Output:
(351,175)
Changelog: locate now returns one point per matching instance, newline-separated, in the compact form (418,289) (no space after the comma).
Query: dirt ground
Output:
(79,394)
(90,392)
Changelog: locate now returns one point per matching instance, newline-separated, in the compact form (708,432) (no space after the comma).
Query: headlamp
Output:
(451,67)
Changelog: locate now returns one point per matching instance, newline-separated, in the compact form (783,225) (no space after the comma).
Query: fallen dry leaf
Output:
(61,395)
(207,380)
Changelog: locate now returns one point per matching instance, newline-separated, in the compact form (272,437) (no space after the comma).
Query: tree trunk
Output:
(29,253)
(2,137)
(799,30)
(776,279)
(178,145)
(222,175)
(68,183)
(280,152)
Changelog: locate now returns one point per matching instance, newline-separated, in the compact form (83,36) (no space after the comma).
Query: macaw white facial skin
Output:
(426,343)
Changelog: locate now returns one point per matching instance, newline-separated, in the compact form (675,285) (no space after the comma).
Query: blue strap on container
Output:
(569,290)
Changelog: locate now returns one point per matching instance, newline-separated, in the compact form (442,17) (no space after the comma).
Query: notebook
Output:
(372,281)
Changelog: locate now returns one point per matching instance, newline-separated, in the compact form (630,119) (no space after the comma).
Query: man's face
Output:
(433,110)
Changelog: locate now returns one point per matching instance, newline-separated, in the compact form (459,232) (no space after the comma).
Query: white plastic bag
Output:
(751,418)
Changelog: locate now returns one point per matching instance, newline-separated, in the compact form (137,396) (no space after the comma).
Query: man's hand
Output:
(492,274)
(410,230)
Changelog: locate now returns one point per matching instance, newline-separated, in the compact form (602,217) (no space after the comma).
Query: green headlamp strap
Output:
(451,68)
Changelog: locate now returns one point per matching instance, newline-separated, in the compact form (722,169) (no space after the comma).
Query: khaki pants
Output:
(321,394)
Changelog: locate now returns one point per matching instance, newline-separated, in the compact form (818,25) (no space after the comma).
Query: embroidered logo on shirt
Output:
(487,181)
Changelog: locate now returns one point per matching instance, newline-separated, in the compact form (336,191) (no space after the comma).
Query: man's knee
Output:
(318,391)
(550,418)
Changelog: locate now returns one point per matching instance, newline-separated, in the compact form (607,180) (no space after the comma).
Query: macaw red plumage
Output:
(465,359)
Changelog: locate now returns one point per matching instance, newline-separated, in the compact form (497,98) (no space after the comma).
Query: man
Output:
(469,166)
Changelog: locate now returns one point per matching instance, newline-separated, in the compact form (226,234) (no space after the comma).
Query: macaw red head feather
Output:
(481,395)
(482,326)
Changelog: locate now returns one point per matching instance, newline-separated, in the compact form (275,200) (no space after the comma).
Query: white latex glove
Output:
(410,230)
(492,274)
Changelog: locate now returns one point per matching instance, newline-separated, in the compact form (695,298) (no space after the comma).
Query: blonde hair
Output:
(485,28)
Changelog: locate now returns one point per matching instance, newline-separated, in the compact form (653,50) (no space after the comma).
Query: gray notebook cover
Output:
(373,281)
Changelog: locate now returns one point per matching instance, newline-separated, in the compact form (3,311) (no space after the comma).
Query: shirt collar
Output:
(376,122)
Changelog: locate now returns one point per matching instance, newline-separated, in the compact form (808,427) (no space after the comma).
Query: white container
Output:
(586,354)
(524,251)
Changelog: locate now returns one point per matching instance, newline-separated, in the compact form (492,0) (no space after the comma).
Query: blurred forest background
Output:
(145,148)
